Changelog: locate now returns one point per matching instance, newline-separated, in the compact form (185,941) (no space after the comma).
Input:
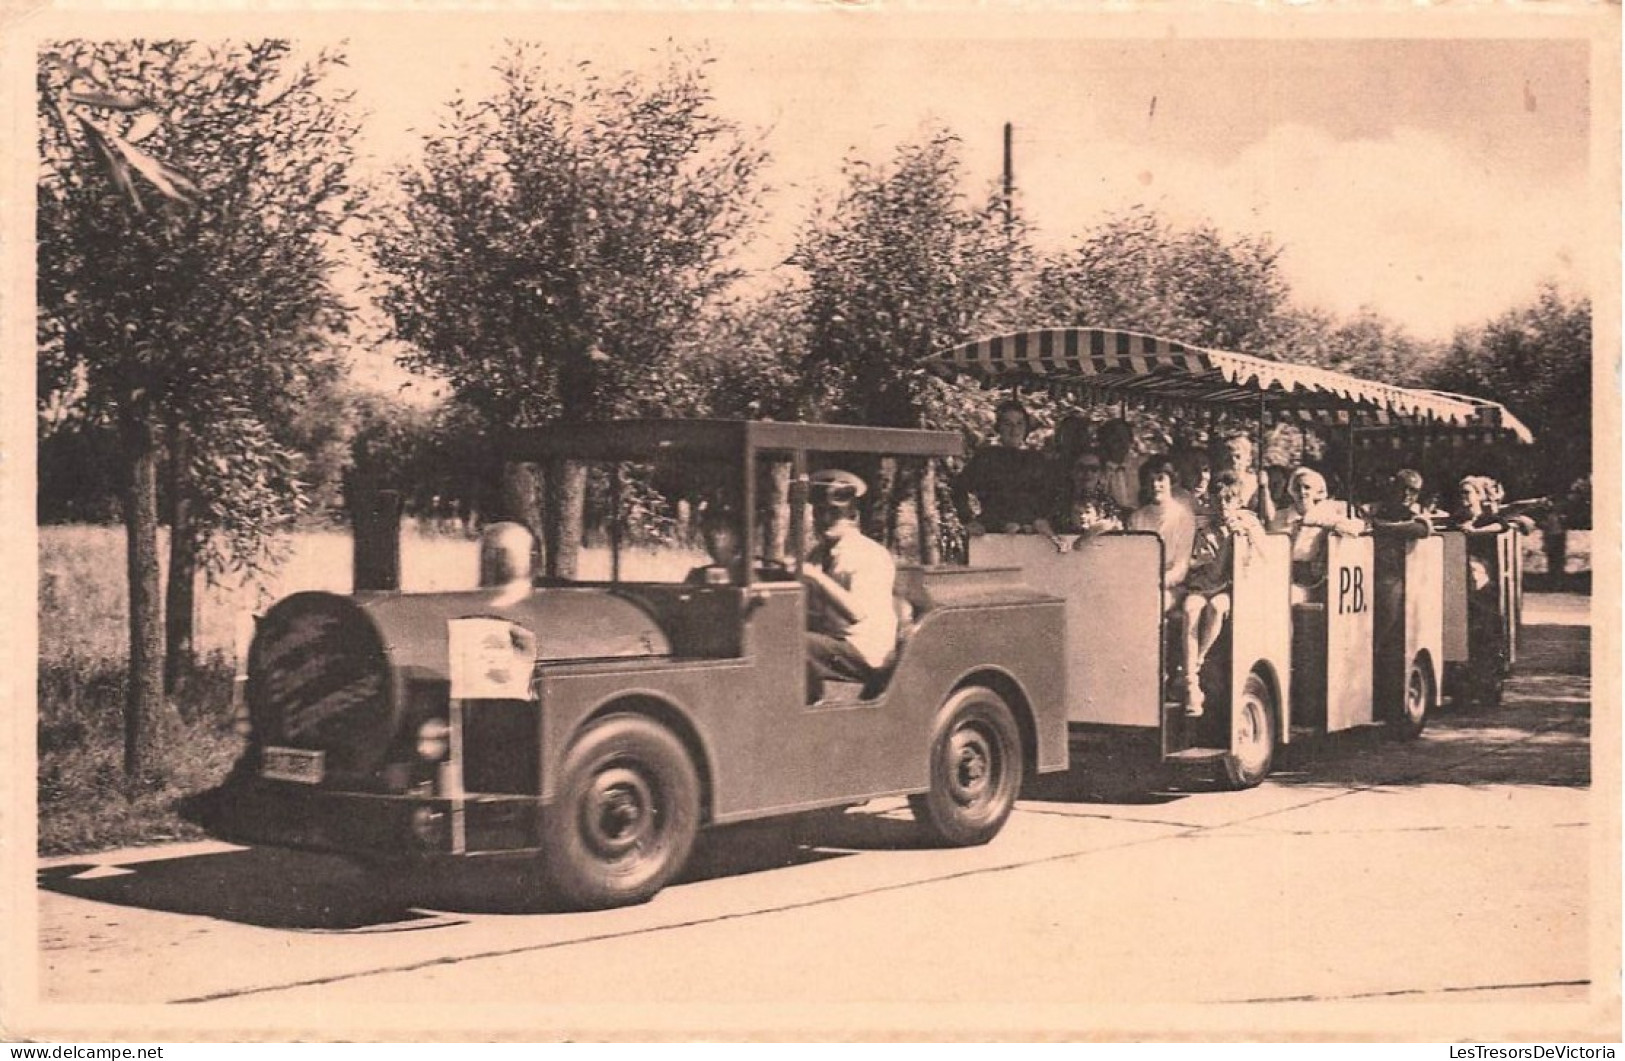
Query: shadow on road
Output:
(264,887)
(274,888)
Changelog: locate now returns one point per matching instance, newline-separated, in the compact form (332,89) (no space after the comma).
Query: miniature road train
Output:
(592,727)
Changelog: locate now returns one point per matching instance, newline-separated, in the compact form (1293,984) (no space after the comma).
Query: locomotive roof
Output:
(634,440)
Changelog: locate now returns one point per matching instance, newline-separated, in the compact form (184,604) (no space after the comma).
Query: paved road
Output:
(1453,871)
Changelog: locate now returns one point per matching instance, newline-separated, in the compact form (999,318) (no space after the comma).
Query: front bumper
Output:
(253,810)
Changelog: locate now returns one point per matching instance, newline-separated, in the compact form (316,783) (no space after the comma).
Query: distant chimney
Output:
(375,519)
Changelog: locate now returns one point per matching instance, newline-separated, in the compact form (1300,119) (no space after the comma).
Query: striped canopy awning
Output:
(1128,364)
(1493,417)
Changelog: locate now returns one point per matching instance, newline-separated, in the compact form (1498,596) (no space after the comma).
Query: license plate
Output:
(292,764)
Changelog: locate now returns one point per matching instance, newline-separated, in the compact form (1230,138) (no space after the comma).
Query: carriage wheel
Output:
(1412,715)
(1254,742)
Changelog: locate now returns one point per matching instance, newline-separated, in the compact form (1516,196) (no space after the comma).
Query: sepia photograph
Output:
(809,522)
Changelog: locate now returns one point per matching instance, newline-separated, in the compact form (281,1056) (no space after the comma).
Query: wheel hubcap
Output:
(1415,696)
(971,766)
(618,815)
(1250,738)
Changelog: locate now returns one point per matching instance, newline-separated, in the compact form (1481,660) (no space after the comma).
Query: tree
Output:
(189,320)
(553,251)
(1136,271)
(1536,360)
(1368,345)
(903,265)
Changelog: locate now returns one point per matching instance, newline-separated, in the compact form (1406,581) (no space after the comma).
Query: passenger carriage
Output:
(1285,669)
(1470,674)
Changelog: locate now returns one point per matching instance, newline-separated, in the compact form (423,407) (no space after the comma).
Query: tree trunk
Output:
(567,497)
(925,500)
(180,595)
(776,533)
(523,493)
(144,695)
(881,523)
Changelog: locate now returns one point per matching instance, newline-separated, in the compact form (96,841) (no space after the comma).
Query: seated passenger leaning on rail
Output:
(1309,516)
(1172,519)
(851,620)
(1396,518)
(1476,516)
(1207,587)
(1007,480)
(1479,509)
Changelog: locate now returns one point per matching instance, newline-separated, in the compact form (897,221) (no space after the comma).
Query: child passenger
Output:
(1208,585)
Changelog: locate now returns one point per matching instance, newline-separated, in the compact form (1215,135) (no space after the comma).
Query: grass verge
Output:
(85,801)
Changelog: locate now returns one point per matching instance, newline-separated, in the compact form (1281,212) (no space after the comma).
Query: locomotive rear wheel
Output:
(626,817)
(1248,764)
(1412,715)
(976,770)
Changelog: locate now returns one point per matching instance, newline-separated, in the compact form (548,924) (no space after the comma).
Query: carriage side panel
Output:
(1112,586)
(1424,604)
(1350,592)
(1261,620)
(1454,602)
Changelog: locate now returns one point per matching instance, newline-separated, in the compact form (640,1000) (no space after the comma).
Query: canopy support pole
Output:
(1349,461)
(1258,460)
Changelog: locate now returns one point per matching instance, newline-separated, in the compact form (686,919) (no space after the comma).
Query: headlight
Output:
(434,740)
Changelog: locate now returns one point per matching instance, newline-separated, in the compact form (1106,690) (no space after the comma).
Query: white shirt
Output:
(865,569)
(1309,529)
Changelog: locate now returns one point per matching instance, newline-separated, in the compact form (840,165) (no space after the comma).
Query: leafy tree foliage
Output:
(1138,272)
(904,264)
(1367,345)
(1536,360)
(554,251)
(185,303)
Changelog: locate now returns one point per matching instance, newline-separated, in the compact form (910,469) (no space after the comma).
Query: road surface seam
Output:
(1403,991)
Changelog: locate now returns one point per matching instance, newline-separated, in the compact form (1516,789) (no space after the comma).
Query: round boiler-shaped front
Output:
(319,679)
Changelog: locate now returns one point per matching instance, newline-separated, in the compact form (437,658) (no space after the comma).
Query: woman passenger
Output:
(1172,520)
(1311,514)
(1006,479)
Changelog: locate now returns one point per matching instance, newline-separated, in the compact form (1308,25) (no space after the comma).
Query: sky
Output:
(1437,180)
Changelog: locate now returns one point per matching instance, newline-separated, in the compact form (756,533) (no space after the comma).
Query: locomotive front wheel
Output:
(976,770)
(626,816)
(1249,762)
(1413,711)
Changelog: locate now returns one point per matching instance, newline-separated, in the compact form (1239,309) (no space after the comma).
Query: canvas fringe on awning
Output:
(1130,365)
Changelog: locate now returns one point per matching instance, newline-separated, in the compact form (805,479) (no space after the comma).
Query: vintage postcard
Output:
(824,521)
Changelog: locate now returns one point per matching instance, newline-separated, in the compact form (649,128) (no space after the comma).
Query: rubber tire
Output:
(974,732)
(632,761)
(1250,768)
(1410,715)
